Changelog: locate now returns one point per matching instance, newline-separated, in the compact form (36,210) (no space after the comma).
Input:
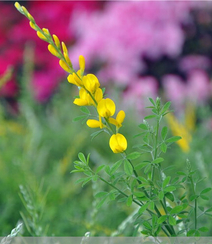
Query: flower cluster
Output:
(90,93)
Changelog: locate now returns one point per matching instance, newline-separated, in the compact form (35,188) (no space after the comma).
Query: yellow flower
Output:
(119,119)
(84,98)
(179,129)
(98,95)
(118,143)
(106,108)
(75,79)
(56,41)
(91,83)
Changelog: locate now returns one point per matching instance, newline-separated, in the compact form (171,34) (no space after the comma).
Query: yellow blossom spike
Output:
(53,51)
(92,123)
(41,36)
(118,143)
(32,25)
(64,66)
(91,82)
(30,17)
(106,108)
(56,40)
(65,50)
(82,63)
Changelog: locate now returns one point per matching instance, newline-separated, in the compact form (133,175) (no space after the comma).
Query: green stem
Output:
(195,202)
(138,203)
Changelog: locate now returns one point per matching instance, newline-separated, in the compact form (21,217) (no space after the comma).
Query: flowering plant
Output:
(165,205)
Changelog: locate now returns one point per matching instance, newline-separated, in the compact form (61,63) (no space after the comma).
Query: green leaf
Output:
(164,132)
(87,180)
(147,168)
(203,229)
(169,188)
(99,168)
(143,127)
(95,134)
(85,110)
(172,220)
(204,197)
(161,195)
(209,210)
(133,155)
(181,173)
(150,116)
(165,107)
(166,181)
(170,196)
(100,194)
(101,202)
(143,208)
(176,210)
(152,101)
(138,194)
(157,161)
(205,191)
(141,165)
(107,170)
(129,200)
(173,139)
(163,147)
(116,166)
(128,168)
(191,232)
(82,158)
(162,219)
(79,118)
(147,225)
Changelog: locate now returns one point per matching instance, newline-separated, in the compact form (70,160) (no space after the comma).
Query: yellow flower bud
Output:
(106,108)
(118,143)
(91,82)
(56,40)
(64,66)
(25,11)
(67,59)
(53,51)
(46,31)
(32,25)
(65,50)
(18,6)
(82,63)
(92,123)
(30,17)
(41,36)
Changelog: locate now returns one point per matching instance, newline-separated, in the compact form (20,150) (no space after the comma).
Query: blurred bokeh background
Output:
(137,50)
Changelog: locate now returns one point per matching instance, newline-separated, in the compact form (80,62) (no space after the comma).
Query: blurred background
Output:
(137,50)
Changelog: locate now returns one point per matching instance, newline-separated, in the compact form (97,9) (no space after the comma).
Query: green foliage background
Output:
(38,148)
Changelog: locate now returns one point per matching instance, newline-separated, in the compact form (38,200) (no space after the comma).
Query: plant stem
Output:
(195,202)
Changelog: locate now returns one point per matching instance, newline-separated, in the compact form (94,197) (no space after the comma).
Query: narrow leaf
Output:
(128,167)
(116,166)
(150,116)
(157,160)
(172,220)
(85,110)
(79,118)
(143,127)
(164,132)
(205,191)
(82,158)
(173,139)
(133,155)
